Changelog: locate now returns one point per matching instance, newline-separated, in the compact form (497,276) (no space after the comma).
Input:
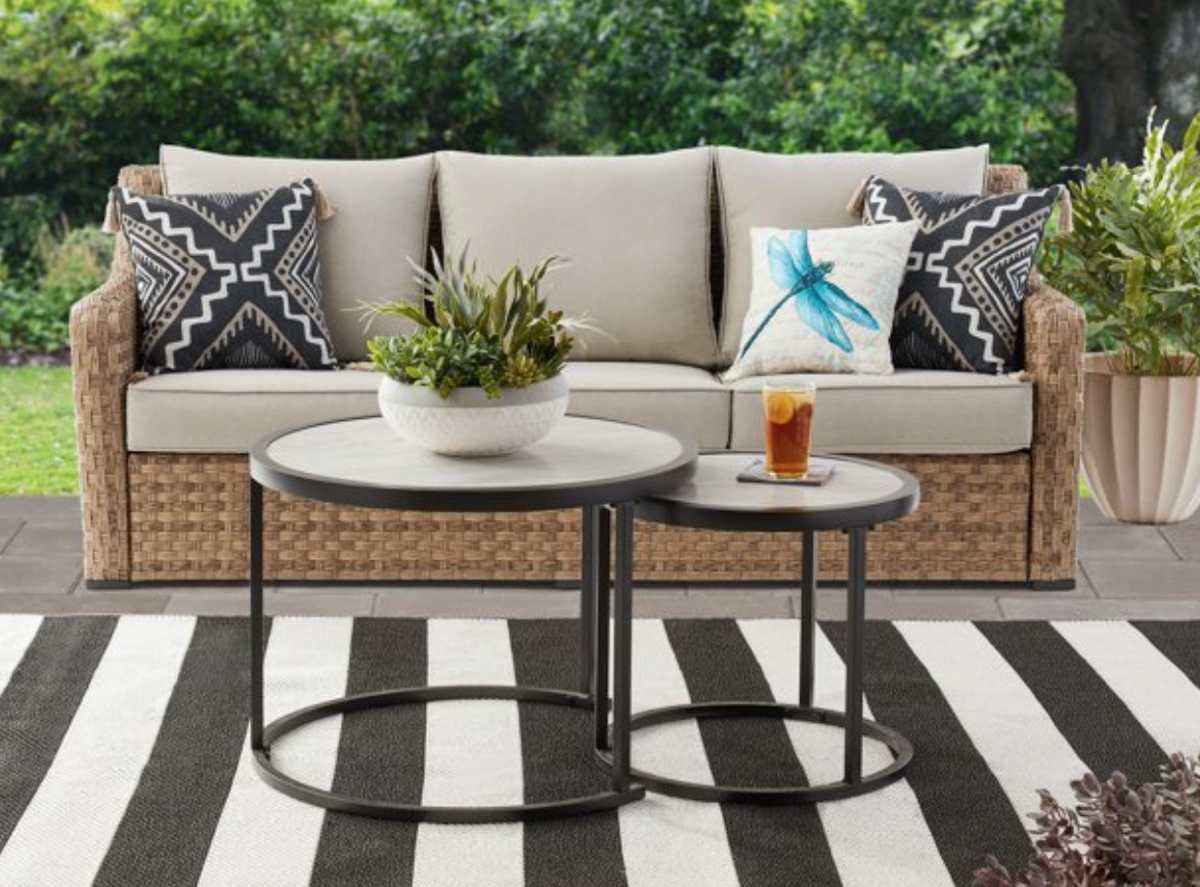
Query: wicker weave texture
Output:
(103,348)
(1055,337)
(1006,179)
(103,360)
(190,521)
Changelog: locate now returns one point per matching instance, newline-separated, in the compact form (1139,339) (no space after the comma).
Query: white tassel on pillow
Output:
(112,216)
(858,200)
(325,209)
(1066,220)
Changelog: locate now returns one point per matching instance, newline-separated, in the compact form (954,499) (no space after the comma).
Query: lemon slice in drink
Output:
(780,410)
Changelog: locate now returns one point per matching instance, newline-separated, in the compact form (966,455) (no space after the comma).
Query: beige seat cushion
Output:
(686,400)
(909,411)
(635,229)
(382,218)
(812,191)
(226,411)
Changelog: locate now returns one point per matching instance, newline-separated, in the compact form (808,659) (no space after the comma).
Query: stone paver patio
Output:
(1125,572)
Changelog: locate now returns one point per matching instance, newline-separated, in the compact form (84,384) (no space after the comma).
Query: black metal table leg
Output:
(856,621)
(257,651)
(587,600)
(601,604)
(808,615)
(622,648)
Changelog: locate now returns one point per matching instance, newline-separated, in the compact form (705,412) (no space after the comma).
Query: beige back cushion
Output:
(635,229)
(813,191)
(381,219)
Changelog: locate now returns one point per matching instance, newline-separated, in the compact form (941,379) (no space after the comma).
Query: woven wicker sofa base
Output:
(189,521)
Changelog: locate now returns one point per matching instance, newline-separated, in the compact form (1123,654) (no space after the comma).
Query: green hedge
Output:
(89,85)
(34,315)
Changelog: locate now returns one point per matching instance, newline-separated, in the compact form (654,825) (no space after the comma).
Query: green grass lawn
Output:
(37,432)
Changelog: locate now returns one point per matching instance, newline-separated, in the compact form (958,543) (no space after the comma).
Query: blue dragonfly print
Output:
(818,301)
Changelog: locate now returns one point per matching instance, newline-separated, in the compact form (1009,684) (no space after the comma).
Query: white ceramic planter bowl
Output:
(1141,444)
(467,423)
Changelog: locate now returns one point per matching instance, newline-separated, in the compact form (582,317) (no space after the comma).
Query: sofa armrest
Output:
(103,360)
(1055,338)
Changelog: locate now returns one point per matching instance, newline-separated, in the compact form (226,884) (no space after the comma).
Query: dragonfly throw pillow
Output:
(822,301)
(227,281)
(960,302)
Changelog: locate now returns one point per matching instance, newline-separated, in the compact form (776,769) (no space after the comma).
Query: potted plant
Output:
(482,373)
(1133,261)
(1120,832)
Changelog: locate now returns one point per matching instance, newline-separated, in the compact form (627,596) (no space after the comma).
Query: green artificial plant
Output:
(475,332)
(1132,259)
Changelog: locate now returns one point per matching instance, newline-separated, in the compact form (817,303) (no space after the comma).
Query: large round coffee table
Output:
(597,466)
(859,495)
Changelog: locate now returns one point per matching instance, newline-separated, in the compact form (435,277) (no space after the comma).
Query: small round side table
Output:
(859,495)
(598,466)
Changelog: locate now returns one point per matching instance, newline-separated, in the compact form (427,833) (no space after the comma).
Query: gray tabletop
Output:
(581,462)
(859,493)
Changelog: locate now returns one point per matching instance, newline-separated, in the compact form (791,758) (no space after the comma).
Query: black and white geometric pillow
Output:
(960,302)
(228,281)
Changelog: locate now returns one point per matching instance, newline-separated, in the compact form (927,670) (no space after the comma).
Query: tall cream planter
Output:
(1141,443)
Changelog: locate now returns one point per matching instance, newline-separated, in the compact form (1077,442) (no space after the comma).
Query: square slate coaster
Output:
(756,473)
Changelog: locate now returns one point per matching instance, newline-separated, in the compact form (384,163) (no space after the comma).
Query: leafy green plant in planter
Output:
(1132,260)
(476,333)
(482,373)
(1120,833)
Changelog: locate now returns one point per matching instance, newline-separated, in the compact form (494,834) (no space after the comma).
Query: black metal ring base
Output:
(808,794)
(416,812)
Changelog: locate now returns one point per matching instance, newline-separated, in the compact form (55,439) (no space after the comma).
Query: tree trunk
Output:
(1175,38)
(1126,57)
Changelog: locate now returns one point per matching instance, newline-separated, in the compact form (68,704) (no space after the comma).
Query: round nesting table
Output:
(859,495)
(598,466)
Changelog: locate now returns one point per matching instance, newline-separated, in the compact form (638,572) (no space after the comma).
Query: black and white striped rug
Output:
(123,753)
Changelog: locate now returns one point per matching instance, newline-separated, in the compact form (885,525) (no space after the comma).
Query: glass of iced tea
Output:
(788,410)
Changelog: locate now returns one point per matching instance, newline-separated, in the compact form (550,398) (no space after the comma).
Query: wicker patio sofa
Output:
(1001,517)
